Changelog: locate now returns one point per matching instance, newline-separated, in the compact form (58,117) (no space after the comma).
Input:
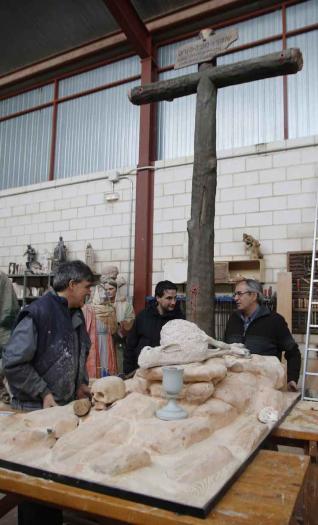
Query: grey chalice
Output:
(172,383)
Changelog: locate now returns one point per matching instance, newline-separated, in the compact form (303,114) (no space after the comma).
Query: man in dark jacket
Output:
(45,359)
(263,332)
(148,323)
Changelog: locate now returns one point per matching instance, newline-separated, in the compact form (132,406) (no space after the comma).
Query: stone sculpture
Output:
(126,447)
(252,246)
(31,256)
(112,272)
(182,341)
(89,256)
(59,254)
(108,389)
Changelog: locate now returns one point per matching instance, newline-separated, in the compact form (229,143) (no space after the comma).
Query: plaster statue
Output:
(89,256)
(112,272)
(46,261)
(108,321)
(252,246)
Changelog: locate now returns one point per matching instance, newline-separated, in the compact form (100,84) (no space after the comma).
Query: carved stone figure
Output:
(89,256)
(12,268)
(112,272)
(46,261)
(188,461)
(252,246)
(59,254)
(184,342)
(31,256)
(106,390)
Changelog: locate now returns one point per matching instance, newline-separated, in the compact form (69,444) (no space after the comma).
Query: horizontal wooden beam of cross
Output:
(274,64)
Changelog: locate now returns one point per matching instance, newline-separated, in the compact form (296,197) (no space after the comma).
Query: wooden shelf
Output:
(31,280)
(226,272)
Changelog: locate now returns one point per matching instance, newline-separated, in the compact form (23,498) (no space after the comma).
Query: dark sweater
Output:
(146,332)
(267,334)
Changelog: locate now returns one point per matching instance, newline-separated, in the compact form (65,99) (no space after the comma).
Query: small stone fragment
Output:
(81,407)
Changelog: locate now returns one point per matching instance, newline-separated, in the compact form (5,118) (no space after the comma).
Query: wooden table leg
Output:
(8,502)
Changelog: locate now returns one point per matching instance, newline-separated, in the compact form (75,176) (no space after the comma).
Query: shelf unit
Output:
(226,272)
(29,281)
(299,264)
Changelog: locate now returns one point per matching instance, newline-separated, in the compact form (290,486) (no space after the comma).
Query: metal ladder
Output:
(313,291)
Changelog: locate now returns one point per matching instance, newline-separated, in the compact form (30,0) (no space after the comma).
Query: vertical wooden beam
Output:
(54,126)
(145,193)
(284,297)
(200,281)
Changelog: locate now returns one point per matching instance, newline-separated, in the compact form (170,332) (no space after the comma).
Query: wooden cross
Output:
(200,283)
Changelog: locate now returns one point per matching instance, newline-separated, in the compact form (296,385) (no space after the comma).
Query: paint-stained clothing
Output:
(266,334)
(46,353)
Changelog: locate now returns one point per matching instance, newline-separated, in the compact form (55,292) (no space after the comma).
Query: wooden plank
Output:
(284,296)
(221,272)
(265,494)
(288,61)
(300,423)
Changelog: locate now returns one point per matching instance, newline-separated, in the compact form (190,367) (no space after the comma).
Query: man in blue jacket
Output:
(45,358)
(262,331)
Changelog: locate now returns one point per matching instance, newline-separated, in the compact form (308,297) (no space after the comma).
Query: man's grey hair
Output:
(252,285)
(71,271)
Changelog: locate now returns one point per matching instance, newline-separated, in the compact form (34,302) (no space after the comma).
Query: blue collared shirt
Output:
(247,320)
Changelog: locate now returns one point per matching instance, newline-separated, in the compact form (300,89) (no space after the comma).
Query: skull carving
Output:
(106,390)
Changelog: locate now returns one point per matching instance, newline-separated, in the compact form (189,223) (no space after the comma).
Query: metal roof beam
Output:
(131,24)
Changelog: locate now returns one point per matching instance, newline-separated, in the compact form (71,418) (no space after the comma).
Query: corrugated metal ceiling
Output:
(32,30)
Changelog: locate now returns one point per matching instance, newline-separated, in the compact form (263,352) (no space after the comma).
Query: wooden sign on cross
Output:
(206,48)
(200,281)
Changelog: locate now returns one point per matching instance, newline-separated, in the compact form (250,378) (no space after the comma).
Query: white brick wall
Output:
(74,208)
(268,191)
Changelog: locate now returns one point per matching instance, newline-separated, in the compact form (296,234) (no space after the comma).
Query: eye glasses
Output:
(239,293)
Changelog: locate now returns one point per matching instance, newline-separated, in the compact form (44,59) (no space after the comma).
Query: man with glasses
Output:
(262,331)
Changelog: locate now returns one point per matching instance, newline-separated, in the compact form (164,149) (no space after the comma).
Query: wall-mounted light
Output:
(111,197)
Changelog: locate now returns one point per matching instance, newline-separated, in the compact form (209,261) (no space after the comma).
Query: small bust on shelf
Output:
(252,246)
